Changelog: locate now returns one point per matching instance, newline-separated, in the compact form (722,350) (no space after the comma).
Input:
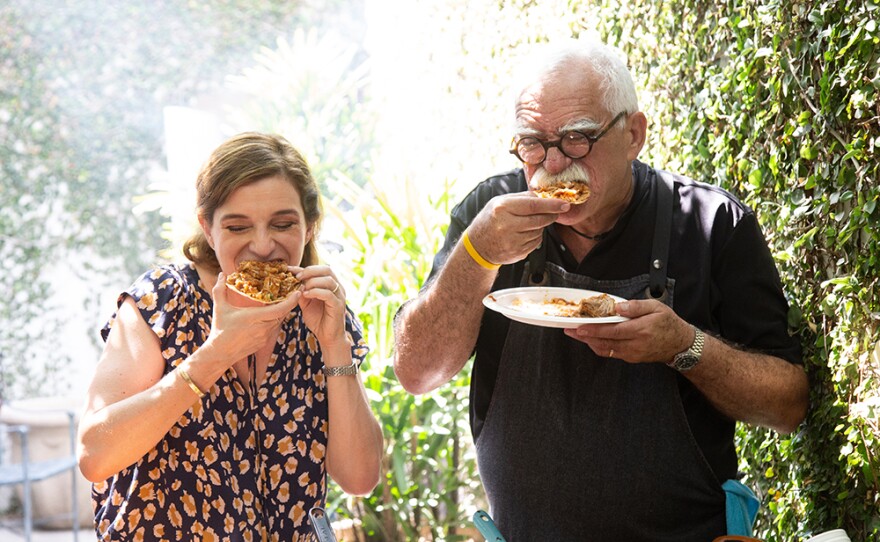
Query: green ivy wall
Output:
(778,102)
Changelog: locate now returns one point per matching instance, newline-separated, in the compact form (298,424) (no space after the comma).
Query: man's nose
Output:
(555,161)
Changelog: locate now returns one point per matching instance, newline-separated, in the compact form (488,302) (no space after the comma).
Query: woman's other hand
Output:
(323,302)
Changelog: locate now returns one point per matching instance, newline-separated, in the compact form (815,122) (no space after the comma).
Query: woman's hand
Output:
(239,332)
(322,300)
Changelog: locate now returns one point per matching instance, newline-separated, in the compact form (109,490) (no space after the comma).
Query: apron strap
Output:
(537,262)
(662,232)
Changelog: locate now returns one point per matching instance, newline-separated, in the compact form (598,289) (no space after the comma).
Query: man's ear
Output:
(637,124)
(206,229)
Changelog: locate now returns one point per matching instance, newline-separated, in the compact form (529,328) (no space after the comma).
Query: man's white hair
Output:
(565,58)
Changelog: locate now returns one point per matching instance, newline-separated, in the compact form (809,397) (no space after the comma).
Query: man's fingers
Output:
(637,307)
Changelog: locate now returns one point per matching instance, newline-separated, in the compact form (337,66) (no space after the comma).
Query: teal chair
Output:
(24,472)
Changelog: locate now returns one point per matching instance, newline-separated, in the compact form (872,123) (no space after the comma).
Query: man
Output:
(621,431)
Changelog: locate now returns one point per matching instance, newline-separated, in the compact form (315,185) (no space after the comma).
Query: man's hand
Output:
(653,333)
(512,225)
(747,386)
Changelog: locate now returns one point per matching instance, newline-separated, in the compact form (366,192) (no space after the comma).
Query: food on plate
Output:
(596,306)
(266,282)
(570,191)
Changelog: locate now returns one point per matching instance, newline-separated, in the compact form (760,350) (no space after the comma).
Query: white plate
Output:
(526,305)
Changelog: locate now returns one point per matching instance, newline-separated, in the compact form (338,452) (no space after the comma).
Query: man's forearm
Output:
(752,387)
(435,334)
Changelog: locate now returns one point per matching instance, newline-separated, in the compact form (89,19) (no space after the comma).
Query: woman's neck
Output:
(207,277)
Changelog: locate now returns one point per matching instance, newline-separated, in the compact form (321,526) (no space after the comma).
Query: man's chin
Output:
(574,215)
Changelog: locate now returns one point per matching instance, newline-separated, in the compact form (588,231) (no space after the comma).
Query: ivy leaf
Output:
(808,152)
(756,178)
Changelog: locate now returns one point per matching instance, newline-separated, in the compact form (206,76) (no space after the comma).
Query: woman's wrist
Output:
(201,368)
(337,354)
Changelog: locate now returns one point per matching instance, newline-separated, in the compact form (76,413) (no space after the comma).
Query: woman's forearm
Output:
(122,424)
(354,441)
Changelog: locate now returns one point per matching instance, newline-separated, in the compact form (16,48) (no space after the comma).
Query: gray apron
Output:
(577,446)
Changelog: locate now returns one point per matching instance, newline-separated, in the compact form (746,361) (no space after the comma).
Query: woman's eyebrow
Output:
(239,216)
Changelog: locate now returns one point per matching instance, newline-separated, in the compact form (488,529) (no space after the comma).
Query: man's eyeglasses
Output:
(574,144)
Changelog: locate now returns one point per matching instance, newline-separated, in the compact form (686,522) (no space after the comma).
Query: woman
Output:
(211,421)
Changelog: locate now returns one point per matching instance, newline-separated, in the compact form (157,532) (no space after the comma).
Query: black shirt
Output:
(726,283)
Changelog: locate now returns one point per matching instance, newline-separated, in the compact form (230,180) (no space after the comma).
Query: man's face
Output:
(548,110)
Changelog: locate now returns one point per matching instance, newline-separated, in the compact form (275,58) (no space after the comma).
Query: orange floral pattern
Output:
(234,467)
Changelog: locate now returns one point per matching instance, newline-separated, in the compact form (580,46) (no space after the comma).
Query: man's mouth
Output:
(571,184)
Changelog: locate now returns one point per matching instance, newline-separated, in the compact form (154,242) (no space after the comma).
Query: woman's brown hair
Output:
(243,159)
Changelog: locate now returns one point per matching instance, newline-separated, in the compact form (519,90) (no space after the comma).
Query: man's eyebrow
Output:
(579,125)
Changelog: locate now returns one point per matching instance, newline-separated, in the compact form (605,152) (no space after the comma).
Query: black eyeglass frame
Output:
(547,145)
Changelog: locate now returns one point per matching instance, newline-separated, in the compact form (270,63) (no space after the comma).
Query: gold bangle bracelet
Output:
(484,263)
(192,385)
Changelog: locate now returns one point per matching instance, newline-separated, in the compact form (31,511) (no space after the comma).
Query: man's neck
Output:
(582,237)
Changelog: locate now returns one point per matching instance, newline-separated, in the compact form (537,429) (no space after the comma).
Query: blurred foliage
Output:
(81,97)
(313,90)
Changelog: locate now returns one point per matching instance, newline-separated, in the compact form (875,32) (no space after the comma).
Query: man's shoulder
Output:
(508,182)
(703,194)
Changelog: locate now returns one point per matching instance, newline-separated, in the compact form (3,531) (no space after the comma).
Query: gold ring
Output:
(334,289)
(611,354)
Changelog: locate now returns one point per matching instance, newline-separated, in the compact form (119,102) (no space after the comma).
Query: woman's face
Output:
(263,220)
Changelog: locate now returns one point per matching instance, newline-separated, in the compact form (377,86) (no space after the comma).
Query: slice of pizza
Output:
(570,191)
(266,282)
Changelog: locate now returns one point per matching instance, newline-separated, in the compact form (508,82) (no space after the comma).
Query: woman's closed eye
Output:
(283,226)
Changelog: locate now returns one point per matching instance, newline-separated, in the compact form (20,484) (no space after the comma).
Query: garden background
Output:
(401,107)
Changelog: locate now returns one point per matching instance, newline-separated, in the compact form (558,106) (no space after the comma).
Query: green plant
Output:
(429,481)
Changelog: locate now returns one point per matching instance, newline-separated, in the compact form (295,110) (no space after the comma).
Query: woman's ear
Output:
(309,233)
(206,229)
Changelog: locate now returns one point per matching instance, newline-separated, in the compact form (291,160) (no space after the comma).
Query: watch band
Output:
(347,370)
(687,360)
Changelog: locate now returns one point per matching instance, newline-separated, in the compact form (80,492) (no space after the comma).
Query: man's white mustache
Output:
(573,173)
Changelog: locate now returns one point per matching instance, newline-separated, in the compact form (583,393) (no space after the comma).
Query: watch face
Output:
(685,361)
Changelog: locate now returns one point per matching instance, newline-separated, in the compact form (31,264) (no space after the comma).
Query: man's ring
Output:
(334,289)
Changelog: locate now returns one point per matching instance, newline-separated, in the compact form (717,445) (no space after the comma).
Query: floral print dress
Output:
(241,465)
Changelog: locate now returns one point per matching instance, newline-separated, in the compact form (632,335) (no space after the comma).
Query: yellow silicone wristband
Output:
(476,255)
(192,385)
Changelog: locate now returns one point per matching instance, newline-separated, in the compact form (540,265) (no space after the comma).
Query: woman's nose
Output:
(262,243)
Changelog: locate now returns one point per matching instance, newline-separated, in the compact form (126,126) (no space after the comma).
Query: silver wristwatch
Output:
(347,370)
(687,360)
